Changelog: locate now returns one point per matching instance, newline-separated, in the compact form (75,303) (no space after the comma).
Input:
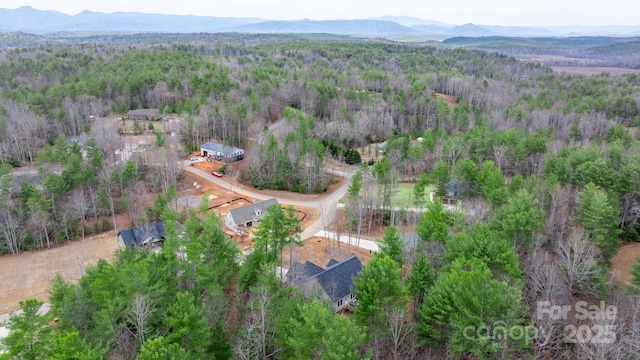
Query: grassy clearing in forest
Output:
(404,194)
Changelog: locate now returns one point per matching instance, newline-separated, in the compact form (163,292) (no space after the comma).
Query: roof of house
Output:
(248,212)
(332,262)
(301,272)
(143,234)
(143,112)
(218,147)
(337,278)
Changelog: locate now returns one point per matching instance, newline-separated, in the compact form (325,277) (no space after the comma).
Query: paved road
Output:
(351,240)
(4,332)
(327,205)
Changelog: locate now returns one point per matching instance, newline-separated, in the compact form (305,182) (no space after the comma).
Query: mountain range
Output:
(28,19)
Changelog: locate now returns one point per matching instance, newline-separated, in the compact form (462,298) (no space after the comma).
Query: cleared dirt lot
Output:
(623,262)
(449,99)
(29,274)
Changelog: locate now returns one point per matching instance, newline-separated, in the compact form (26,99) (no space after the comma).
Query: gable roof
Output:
(226,149)
(336,280)
(144,234)
(248,212)
(127,237)
(301,272)
(143,112)
(332,262)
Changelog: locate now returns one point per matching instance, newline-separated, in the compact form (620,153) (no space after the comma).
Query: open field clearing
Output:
(405,197)
(588,71)
(623,262)
(30,273)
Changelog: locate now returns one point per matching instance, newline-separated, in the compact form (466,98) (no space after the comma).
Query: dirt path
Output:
(30,273)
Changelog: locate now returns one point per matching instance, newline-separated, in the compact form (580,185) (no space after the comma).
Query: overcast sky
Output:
(458,12)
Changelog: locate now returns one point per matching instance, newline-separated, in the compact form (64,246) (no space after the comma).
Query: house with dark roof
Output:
(299,272)
(247,216)
(221,152)
(143,114)
(454,190)
(333,283)
(148,235)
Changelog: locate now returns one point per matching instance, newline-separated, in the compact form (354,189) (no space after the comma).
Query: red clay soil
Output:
(623,263)
(449,99)
(209,167)
(320,250)
(29,274)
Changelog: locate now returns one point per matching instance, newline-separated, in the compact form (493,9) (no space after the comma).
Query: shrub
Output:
(106,225)
(352,157)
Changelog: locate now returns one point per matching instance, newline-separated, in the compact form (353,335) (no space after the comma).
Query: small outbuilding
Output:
(247,216)
(143,114)
(221,152)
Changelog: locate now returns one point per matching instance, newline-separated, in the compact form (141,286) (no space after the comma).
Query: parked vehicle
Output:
(217,174)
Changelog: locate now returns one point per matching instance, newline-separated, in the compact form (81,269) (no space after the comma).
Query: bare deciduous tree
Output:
(400,331)
(140,309)
(256,336)
(11,229)
(545,283)
(21,132)
(476,210)
(560,213)
(79,206)
(580,263)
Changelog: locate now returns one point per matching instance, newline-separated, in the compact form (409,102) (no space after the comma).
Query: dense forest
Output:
(546,169)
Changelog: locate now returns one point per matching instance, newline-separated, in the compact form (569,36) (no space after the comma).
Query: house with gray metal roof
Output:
(247,216)
(221,152)
(333,283)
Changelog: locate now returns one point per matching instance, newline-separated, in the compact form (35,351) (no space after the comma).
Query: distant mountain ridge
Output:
(28,19)
(360,27)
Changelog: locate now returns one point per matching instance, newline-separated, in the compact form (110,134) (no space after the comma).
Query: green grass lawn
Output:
(404,194)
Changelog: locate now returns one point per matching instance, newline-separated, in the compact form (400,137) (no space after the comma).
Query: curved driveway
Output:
(327,205)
